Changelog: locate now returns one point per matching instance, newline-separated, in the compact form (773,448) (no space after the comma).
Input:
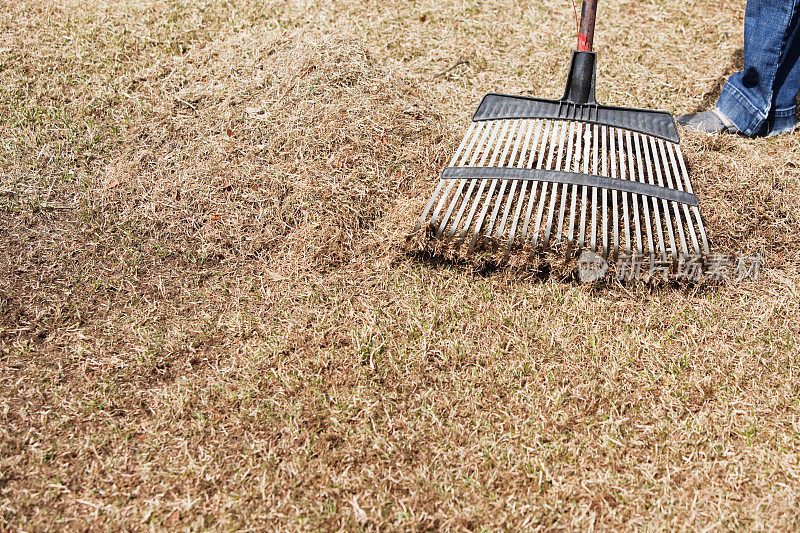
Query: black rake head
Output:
(532,174)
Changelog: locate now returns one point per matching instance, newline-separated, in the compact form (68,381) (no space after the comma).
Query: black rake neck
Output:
(581,78)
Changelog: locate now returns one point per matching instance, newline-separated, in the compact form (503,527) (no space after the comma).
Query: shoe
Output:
(785,131)
(712,122)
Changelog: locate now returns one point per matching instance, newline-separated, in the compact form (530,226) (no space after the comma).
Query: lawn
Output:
(210,318)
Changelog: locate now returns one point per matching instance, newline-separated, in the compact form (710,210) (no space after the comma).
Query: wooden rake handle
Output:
(586,31)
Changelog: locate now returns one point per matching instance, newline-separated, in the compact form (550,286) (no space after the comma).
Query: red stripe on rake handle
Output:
(583,43)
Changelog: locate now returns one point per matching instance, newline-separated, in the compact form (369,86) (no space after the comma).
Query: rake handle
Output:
(586,31)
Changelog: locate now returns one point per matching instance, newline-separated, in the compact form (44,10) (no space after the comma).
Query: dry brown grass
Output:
(206,321)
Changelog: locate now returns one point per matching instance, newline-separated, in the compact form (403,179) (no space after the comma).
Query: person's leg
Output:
(748,98)
(787,82)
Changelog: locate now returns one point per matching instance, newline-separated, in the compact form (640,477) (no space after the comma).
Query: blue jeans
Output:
(761,99)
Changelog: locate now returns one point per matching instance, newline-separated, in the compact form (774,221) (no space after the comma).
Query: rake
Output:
(533,173)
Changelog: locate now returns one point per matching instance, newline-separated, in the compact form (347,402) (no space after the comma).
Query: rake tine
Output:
(535,186)
(528,148)
(584,190)
(614,202)
(625,210)
(645,199)
(423,217)
(451,183)
(522,191)
(634,197)
(554,189)
(571,164)
(660,237)
(547,137)
(593,236)
(476,203)
(686,214)
(549,134)
(664,204)
(461,182)
(605,193)
(442,184)
(675,208)
(499,200)
(701,227)
(648,203)
(554,186)
(478,132)
(695,209)
(468,195)
(514,154)
(583,156)
(488,202)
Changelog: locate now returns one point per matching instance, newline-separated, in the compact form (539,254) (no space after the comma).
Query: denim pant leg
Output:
(787,81)
(760,99)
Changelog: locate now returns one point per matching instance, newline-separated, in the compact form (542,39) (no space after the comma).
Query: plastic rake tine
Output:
(554,189)
(584,190)
(626,219)
(526,151)
(687,186)
(514,141)
(461,182)
(673,250)
(509,202)
(605,193)
(568,166)
(488,202)
(686,214)
(675,208)
(468,195)
(535,150)
(695,209)
(442,183)
(634,197)
(498,234)
(614,203)
(640,172)
(461,160)
(579,138)
(660,237)
(477,200)
(547,138)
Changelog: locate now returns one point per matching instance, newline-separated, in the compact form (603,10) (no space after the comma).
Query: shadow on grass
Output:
(709,99)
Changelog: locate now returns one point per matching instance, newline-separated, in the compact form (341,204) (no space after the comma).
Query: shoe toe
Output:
(706,121)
